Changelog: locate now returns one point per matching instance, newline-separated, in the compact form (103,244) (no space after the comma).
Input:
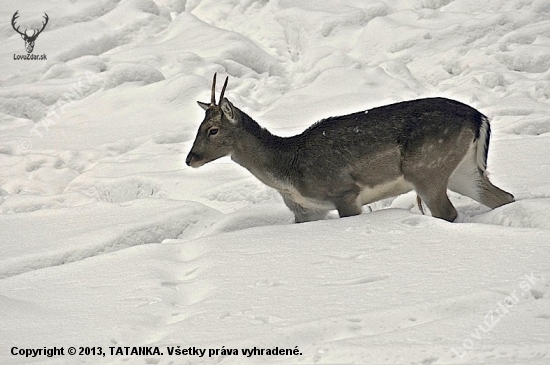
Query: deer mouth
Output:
(194,160)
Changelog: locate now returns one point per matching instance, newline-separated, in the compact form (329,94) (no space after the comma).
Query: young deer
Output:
(345,162)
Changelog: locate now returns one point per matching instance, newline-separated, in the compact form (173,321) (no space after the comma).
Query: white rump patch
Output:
(482,145)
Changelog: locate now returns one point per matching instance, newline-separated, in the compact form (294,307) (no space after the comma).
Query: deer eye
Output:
(213,131)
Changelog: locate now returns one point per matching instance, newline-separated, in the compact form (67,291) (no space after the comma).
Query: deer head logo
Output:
(29,40)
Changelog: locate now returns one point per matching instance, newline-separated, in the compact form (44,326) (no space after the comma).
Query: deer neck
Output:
(265,155)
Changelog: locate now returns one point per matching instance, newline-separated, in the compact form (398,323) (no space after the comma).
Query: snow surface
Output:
(108,239)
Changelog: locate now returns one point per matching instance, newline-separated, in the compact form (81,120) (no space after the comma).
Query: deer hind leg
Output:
(436,199)
(492,196)
(469,180)
(430,181)
(429,171)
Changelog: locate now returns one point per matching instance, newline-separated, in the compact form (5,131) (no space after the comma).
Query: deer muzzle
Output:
(194,160)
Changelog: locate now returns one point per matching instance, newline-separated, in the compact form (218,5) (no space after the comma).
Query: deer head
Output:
(217,131)
(29,40)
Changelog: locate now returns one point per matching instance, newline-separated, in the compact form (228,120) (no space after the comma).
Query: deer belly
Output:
(391,188)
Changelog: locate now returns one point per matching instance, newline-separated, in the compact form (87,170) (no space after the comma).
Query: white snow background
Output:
(108,239)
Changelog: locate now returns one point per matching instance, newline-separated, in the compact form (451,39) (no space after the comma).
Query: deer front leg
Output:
(347,205)
(302,214)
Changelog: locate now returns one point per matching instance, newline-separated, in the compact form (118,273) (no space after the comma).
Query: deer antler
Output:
(36,32)
(213,96)
(43,26)
(223,88)
(15,16)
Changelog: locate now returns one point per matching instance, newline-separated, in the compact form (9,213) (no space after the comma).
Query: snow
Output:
(107,238)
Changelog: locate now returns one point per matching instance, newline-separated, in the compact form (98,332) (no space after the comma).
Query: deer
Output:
(29,40)
(427,145)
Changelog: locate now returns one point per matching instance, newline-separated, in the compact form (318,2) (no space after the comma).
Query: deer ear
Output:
(203,105)
(22,36)
(228,110)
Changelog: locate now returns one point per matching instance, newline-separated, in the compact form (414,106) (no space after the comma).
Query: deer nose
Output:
(190,158)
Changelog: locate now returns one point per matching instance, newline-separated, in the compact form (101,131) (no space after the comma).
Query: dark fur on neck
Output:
(256,130)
